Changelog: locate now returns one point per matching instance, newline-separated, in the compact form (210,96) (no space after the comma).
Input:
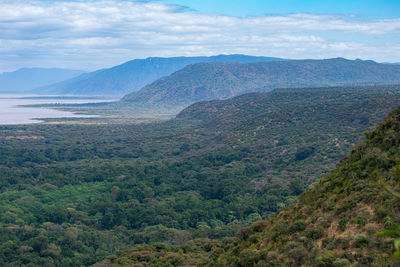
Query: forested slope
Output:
(73,194)
(134,74)
(333,223)
(206,81)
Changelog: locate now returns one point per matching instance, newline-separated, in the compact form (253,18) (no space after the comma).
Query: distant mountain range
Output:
(26,79)
(135,74)
(205,81)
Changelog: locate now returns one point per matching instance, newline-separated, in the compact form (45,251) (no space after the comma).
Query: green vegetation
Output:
(205,81)
(218,78)
(133,75)
(333,223)
(71,195)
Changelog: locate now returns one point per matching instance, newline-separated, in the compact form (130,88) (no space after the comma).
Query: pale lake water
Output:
(11,114)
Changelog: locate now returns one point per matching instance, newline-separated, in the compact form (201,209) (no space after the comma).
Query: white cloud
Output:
(95,34)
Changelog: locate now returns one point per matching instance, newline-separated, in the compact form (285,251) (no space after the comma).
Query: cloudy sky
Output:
(95,34)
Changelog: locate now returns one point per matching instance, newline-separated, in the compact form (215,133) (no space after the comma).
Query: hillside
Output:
(73,194)
(133,75)
(333,223)
(26,79)
(205,81)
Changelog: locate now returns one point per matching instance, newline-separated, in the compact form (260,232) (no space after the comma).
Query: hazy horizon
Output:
(91,35)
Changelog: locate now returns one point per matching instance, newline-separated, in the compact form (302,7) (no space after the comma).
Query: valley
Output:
(73,194)
(183,133)
(334,223)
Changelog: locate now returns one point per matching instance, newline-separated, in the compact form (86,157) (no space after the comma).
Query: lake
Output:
(10,113)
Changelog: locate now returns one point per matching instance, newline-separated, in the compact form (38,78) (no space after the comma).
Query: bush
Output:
(258,226)
(329,260)
(361,241)
(314,233)
(342,224)
(243,233)
(341,263)
(248,257)
(278,229)
(360,220)
(326,260)
(297,226)
(389,223)
(298,254)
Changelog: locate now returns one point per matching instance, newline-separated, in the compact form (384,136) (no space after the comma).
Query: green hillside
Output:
(206,81)
(134,74)
(333,223)
(71,195)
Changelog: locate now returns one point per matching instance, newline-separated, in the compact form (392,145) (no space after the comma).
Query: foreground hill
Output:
(26,79)
(205,81)
(333,223)
(133,75)
(70,195)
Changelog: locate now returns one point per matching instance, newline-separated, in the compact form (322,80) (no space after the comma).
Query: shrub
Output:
(325,260)
(361,241)
(258,226)
(297,226)
(314,233)
(341,263)
(388,223)
(243,233)
(330,243)
(298,254)
(278,229)
(342,224)
(248,257)
(360,220)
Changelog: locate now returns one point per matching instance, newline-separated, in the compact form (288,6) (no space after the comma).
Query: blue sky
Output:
(364,8)
(95,34)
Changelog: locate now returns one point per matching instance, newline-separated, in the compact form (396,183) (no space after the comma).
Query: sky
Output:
(94,34)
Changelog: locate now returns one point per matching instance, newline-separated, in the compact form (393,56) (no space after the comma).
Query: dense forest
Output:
(339,221)
(73,194)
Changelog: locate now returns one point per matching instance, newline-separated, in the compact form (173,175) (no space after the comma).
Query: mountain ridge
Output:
(134,74)
(206,81)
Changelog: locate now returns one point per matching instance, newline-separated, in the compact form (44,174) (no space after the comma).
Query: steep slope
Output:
(26,79)
(134,74)
(333,223)
(205,81)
